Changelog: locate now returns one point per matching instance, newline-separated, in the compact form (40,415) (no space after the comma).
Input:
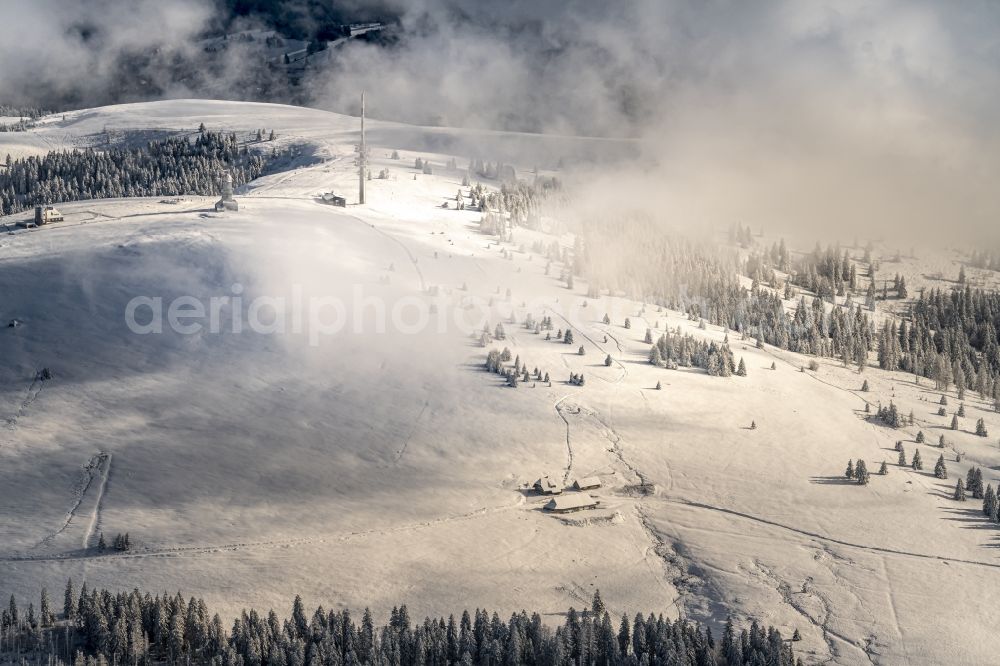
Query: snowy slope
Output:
(387,467)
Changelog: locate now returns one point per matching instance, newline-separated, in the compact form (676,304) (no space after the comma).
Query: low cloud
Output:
(847,116)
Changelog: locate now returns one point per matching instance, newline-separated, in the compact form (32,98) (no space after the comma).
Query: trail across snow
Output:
(95,515)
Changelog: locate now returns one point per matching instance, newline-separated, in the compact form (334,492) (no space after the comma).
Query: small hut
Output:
(587,483)
(547,486)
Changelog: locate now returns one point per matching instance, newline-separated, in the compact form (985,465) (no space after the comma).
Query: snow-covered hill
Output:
(376,467)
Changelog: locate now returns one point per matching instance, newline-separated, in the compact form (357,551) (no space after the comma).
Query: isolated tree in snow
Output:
(659,386)
(607,360)
(774,365)
(581,351)
(607,319)
(568,337)
(628,323)
(753,425)
(864,386)
(961,410)
(861,473)
(849,473)
(883,469)
(981,428)
(959,491)
(649,336)
(917,463)
(920,437)
(902,457)
(741,371)
(977,484)
(940,470)
(943,400)
(954,422)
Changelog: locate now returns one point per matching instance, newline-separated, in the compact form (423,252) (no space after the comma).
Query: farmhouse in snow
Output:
(587,483)
(572,502)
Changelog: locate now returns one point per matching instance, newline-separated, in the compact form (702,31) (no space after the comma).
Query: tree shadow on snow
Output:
(832,480)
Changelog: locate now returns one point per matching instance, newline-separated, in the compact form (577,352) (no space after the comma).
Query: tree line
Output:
(168,167)
(99,627)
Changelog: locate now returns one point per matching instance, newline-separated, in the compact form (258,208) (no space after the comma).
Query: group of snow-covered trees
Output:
(105,627)
(496,361)
(168,167)
(674,350)
(26,117)
(951,338)
(703,281)
(516,203)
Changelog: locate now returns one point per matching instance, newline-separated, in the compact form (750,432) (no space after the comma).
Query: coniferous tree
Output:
(902,457)
(959,491)
(45,612)
(849,472)
(940,469)
(989,501)
(861,473)
(597,605)
(917,463)
(883,469)
(69,601)
(981,428)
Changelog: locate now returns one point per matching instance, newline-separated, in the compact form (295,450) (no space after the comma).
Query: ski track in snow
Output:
(406,442)
(29,397)
(95,516)
(829,539)
(276,543)
(569,445)
(600,346)
(96,462)
(409,253)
